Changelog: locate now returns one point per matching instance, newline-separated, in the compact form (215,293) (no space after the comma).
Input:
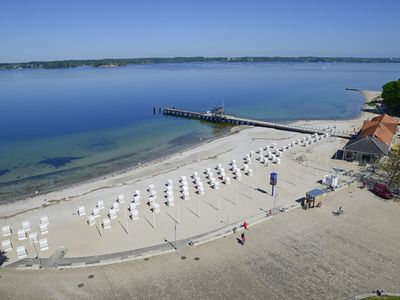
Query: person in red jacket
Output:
(245,225)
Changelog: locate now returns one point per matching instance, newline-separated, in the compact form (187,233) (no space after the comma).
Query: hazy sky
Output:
(77,29)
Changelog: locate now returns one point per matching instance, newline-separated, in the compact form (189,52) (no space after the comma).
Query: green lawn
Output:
(371,104)
(383,298)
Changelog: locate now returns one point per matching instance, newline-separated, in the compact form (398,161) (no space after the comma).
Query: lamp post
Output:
(176,247)
(37,254)
(273,181)
(273,209)
(179,219)
(236,200)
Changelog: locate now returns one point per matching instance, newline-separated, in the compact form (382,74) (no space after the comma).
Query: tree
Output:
(391,166)
(391,95)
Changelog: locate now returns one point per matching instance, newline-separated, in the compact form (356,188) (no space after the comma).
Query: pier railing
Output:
(223,118)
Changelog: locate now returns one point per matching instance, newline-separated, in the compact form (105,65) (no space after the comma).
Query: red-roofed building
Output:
(373,141)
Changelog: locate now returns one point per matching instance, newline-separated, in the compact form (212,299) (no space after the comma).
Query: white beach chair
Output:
(95,212)
(136,199)
(6,245)
(91,220)
(184,184)
(26,226)
(170,201)
(44,229)
(152,199)
(44,220)
(6,230)
(151,187)
(106,223)
(33,238)
(100,204)
(121,199)
(132,206)
(156,207)
(216,185)
(81,211)
(21,233)
(43,244)
(112,214)
(169,182)
(134,215)
(115,206)
(21,252)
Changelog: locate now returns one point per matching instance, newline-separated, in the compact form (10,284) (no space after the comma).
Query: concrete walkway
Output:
(296,255)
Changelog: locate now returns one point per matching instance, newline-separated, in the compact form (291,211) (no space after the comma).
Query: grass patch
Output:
(371,104)
(383,298)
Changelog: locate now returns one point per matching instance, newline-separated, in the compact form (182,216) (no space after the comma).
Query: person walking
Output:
(243,238)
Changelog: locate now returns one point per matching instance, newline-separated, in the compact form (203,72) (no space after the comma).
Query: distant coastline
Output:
(120,62)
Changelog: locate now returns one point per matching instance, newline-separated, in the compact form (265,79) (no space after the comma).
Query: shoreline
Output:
(111,174)
(218,206)
(366,95)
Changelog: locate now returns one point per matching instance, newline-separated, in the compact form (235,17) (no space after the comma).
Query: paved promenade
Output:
(295,255)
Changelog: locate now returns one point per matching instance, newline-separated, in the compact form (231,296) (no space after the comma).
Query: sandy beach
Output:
(247,199)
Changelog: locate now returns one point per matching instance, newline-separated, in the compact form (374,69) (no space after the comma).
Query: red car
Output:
(383,191)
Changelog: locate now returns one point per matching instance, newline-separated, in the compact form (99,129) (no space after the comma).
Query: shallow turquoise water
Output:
(61,126)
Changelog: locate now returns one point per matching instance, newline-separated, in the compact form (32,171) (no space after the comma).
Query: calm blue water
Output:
(61,125)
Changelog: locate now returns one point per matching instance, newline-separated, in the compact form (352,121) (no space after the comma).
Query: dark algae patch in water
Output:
(58,162)
(102,145)
(4,171)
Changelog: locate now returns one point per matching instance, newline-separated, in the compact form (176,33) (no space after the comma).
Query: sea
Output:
(61,127)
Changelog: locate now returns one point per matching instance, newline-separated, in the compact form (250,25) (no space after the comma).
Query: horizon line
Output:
(206,57)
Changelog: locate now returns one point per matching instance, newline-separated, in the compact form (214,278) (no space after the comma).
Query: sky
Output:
(92,29)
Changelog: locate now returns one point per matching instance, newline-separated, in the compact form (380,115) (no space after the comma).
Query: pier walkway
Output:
(223,118)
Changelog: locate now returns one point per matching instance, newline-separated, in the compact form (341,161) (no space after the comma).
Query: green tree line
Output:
(391,95)
(160,60)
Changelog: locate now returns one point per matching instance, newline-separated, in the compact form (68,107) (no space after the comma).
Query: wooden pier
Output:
(223,118)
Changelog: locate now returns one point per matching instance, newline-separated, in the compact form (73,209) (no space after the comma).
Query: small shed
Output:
(314,198)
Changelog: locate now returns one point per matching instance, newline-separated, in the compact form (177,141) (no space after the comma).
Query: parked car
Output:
(383,191)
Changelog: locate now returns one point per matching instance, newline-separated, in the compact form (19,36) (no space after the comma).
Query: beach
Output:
(247,199)
(294,255)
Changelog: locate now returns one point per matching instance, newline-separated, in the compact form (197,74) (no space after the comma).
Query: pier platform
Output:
(229,119)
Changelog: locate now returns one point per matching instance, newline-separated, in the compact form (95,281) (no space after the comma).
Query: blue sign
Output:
(273,180)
